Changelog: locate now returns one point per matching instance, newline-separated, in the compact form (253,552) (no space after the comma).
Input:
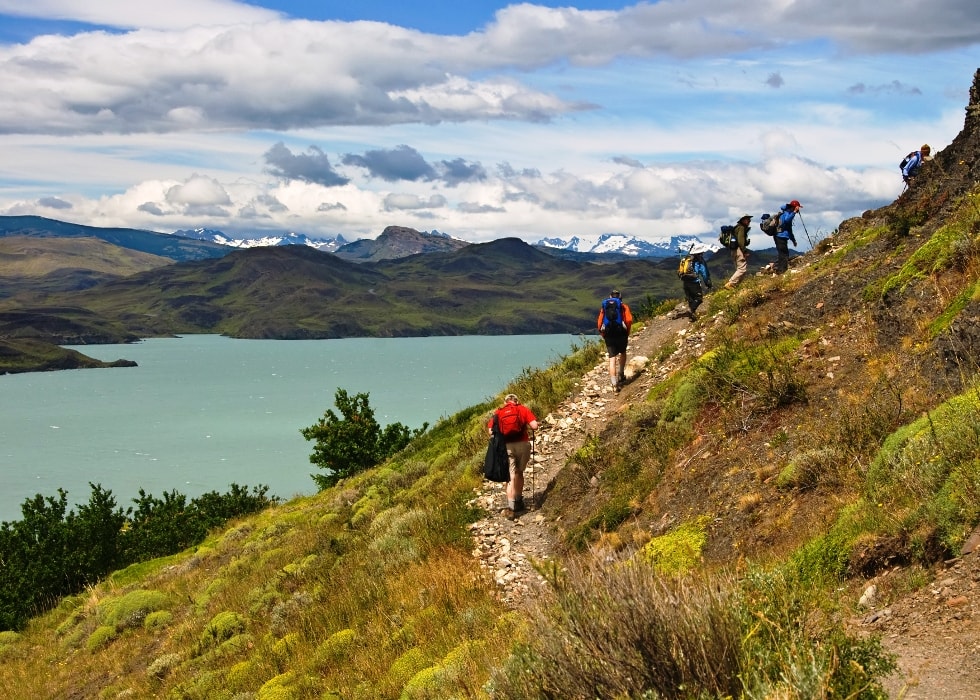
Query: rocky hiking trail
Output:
(933,631)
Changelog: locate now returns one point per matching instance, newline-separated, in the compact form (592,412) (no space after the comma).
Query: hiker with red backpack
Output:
(513,420)
(615,321)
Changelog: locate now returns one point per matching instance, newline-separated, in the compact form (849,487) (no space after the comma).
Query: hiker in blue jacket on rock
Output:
(785,235)
(913,162)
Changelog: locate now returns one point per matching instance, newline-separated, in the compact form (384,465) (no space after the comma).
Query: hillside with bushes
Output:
(748,518)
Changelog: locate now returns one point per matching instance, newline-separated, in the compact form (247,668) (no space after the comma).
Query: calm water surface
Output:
(203,411)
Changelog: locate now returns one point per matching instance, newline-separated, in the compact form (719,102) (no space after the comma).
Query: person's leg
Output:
(518,454)
(741,268)
(782,254)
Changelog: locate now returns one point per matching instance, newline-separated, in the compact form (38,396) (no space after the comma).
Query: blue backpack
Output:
(612,313)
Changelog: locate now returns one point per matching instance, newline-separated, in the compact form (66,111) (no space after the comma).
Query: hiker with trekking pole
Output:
(516,424)
(784,235)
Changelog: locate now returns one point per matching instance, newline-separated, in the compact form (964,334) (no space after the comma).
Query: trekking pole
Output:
(534,468)
(810,240)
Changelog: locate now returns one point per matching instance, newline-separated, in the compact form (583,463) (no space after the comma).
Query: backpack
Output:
(612,312)
(727,237)
(496,463)
(769,224)
(905,161)
(509,419)
(686,268)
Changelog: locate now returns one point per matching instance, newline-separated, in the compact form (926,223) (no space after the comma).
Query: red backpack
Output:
(510,422)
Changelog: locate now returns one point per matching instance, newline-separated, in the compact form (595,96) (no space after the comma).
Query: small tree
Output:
(356,442)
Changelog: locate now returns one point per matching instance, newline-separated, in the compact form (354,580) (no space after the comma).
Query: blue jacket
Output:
(786,223)
(701,270)
(911,168)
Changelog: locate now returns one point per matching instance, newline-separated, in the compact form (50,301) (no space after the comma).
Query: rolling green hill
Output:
(165,245)
(291,292)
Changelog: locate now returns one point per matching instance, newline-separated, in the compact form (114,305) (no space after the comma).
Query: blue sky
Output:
(478,119)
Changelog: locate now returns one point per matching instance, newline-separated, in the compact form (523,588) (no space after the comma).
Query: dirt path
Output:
(505,547)
(934,632)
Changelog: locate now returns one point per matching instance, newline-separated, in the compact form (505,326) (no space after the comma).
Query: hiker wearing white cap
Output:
(740,251)
(695,276)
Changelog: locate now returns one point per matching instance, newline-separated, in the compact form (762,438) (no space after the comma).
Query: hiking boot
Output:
(509,514)
(519,506)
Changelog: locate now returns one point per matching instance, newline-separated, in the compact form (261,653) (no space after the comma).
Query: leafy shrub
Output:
(158,620)
(677,551)
(222,626)
(101,637)
(350,445)
(132,609)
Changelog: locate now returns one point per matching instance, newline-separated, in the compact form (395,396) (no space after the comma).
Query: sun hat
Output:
(511,398)
(745,216)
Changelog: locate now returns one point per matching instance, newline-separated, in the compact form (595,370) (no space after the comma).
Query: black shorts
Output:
(616,343)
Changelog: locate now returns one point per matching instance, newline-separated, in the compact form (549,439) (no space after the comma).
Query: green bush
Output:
(131,610)
(101,637)
(350,445)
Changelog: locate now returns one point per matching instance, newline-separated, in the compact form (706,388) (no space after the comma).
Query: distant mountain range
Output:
(622,244)
(393,242)
(397,241)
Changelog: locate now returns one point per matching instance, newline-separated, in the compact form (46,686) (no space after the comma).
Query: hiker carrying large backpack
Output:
(512,421)
(740,250)
(784,235)
(695,276)
(614,324)
(912,163)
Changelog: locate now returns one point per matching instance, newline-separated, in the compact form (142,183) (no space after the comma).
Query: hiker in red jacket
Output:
(514,420)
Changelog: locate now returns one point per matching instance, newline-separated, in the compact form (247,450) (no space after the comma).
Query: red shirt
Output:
(526,417)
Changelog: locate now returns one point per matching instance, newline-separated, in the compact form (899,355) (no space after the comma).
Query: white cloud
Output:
(657,119)
(173,14)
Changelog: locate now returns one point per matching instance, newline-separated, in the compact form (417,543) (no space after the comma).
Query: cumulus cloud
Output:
(257,70)
(53,203)
(399,163)
(312,166)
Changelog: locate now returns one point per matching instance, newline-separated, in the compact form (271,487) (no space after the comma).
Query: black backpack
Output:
(496,463)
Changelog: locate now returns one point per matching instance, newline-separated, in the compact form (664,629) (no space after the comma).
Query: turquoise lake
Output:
(203,411)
